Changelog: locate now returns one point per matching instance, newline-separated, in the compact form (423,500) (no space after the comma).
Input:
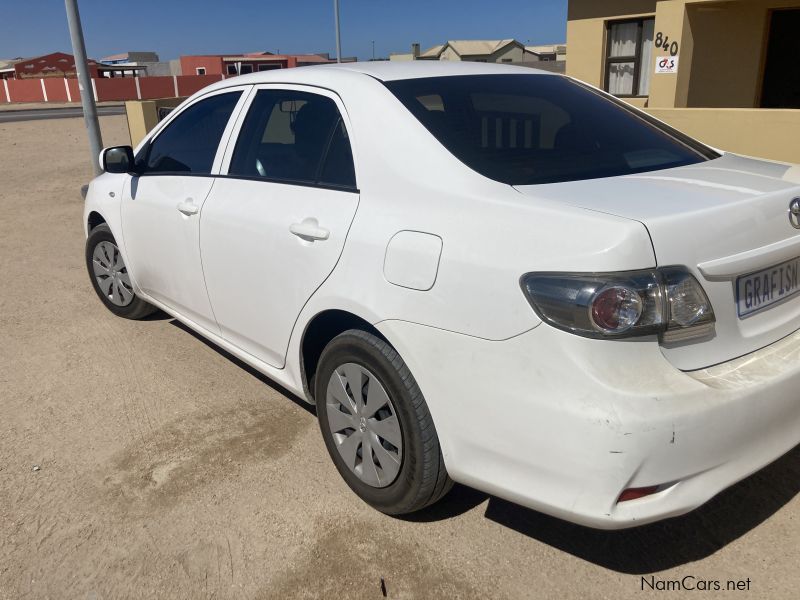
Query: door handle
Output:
(188,208)
(309,230)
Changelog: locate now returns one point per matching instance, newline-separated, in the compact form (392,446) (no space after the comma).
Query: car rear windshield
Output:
(530,129)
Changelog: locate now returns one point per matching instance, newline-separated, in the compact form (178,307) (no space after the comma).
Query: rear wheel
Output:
(376,425)
(110,277)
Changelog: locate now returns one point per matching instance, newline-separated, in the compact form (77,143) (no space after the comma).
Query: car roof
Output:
(381,70)
(413,69)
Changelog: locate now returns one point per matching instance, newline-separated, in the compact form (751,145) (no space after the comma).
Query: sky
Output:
(175,27)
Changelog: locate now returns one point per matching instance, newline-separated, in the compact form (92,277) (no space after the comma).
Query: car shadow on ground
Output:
(649,548)
(245,367)
(640,550)
(159,315)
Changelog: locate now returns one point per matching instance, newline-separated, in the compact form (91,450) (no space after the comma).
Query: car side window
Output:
(189,143)
(296,137)
(338,169)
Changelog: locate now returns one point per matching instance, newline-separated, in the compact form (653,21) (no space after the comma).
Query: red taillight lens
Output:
(615,309)
(636,493)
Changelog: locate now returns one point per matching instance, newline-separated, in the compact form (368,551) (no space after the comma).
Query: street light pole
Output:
(84,83)
(373,50)
(338,34)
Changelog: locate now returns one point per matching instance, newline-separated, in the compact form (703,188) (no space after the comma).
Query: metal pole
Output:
(338,34)
(373,49)
(84,83)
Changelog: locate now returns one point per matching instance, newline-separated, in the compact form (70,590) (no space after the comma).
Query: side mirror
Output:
(118,159)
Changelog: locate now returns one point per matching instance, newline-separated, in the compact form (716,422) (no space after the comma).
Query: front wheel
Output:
(110,277)
(376,425)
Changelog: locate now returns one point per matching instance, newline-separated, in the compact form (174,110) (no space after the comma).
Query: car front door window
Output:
(189,143)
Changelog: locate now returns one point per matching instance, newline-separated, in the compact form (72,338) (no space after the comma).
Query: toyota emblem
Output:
(794,213)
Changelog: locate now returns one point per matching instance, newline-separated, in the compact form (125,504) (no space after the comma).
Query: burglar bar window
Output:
(628,57)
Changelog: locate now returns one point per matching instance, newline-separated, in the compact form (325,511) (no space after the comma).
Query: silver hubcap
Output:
(364,425)
(111,274)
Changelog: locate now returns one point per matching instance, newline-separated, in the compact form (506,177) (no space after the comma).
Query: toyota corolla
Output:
(477,273)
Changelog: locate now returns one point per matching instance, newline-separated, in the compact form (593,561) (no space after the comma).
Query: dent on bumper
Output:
(563,424)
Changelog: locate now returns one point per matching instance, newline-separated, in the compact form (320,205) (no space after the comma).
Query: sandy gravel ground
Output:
(167,469)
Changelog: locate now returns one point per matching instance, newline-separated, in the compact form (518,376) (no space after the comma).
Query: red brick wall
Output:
(108,88)
(156,87)
(56,92)
(73,90)
(25,90)
(115,88)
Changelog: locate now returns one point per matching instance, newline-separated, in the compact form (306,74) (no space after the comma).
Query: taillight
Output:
(615,308)
(668,302)
(690,312)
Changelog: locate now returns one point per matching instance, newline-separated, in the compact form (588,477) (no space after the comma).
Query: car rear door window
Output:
(294,137)
(337,170)
(189,143)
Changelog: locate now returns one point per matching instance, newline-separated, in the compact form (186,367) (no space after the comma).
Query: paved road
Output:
(10,116)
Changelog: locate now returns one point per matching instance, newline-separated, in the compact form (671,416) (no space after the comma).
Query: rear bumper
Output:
(564,424)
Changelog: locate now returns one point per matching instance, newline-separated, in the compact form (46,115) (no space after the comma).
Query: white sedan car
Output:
(478,273)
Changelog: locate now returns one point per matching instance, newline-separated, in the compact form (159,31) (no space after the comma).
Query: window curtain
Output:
(620,78)
(646,67)
(623,39)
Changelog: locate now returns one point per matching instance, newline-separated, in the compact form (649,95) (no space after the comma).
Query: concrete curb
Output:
(52,106)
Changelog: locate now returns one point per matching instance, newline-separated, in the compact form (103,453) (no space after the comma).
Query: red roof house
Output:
(57,64)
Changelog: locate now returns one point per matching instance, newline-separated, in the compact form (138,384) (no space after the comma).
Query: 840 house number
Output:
(662,42)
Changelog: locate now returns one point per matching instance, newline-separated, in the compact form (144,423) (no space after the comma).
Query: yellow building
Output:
(725,72)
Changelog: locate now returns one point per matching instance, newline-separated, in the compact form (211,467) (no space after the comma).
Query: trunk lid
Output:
(722,219)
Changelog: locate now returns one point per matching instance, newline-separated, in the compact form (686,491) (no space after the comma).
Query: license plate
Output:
(764,288)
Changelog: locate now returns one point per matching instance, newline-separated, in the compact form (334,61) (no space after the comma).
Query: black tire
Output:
(422,479)
(138,308)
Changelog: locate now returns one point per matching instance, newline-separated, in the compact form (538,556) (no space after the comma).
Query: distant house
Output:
(405,56)
(494,51)
(129,57)
(549,52)
(134,64)
(56,64)
(241,64)
(7,67)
